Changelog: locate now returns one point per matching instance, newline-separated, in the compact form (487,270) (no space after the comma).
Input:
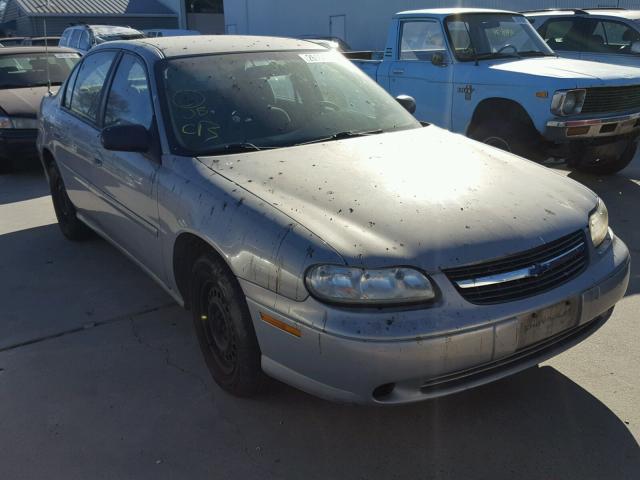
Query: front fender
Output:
(260,243)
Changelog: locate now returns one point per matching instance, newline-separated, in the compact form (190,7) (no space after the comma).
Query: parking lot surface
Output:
(101,377)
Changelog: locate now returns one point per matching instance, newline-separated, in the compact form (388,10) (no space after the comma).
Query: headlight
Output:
(18,122)
(568,102)
(599,223)
(333,283)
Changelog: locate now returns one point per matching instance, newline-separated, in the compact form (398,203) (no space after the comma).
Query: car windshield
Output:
(219,103)
(30,70)
(488,35)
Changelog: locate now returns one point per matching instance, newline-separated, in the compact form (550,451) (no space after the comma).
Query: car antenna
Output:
(46,49)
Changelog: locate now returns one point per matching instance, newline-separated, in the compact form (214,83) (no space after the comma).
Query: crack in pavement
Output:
(85,326)
(167,355)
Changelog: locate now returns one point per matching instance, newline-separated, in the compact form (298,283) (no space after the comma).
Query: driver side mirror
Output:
(126,138)
(409,103)
(635,48)
(439,59)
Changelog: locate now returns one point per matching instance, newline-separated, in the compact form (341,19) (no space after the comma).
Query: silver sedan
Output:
(317,232)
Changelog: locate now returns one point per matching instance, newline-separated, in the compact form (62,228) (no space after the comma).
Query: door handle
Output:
(97,161)
(398,71)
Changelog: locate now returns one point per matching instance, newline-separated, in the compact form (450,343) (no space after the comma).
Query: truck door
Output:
(422,68)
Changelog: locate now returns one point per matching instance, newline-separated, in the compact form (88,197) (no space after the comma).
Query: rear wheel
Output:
(224,328)
(604,166)
(71,226)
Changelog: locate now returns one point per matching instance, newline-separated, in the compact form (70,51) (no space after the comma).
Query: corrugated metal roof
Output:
(93,7)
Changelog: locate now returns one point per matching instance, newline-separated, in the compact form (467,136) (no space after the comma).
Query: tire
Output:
(71,226)
(224,328)
(511,135)
(607,166)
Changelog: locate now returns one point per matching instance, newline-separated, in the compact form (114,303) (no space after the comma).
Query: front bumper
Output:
(19,145)
(383,358)
(593,128)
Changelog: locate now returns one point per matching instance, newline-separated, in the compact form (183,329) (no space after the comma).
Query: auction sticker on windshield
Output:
(323,57)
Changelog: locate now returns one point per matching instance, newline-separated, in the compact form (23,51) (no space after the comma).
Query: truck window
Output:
(420,40)
(618,37)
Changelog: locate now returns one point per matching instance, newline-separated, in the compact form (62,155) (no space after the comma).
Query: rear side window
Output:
(75,37)
(87,91)
(619,37)
(129,101)
(69,88)
(64,40)
(420,40)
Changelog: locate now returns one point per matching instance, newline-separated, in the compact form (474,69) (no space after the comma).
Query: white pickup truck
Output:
(489,75)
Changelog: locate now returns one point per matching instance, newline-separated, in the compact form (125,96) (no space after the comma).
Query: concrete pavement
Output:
(101,377)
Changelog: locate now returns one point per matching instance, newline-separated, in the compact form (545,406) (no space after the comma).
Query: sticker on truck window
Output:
(324,57)
(66,55)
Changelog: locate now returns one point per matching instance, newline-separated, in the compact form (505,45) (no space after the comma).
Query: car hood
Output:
(423,197)
(22,102)
(584,73)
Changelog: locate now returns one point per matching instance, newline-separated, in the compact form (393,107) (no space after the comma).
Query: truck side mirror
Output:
(409,103)
(438,59)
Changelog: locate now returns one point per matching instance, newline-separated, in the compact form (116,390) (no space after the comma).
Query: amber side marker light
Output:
(542,94)
(280,324)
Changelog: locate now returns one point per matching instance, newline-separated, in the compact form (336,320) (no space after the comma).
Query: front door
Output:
(128,179)
(423,70)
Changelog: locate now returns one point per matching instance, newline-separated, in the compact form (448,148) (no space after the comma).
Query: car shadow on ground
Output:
(538,424)
(621,194)
(21,186)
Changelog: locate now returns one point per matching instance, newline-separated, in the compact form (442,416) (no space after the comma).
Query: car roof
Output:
(37,49)
(445,12)
(213,44)
(601,12)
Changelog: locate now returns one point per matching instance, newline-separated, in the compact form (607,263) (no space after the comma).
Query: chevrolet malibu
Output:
(317,232)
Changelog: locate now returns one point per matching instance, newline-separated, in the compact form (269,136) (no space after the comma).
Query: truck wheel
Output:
(71,226)
(607,166)
(513,136)
(224,328)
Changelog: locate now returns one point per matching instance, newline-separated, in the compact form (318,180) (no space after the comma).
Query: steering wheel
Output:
(508,45)
(329,105)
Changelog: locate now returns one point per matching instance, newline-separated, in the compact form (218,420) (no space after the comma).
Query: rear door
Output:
(127,180)
(413,72)
(76,130)
(610,42)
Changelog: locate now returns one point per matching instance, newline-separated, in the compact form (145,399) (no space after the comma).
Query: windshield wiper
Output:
(535,53)
(342,136)
(230,148)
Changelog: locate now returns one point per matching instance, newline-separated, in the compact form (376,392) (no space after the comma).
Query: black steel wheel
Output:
(224,328)
(69,223)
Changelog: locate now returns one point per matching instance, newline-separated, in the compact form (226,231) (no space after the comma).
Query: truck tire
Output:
(607,166)
(511,135)
(224,328)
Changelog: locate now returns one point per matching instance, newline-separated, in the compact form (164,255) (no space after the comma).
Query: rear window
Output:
(30,70)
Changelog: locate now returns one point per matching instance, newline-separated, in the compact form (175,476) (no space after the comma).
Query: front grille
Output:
(612,99)
(542,269)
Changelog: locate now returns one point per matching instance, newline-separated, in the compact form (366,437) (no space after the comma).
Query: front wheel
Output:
(71,226)
(224,328)
(511,135)
(607,165)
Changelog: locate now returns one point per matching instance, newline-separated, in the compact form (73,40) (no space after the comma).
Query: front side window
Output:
(271,99)
(420,40)
(75,38)
(488,35)
(129,100)
(87,91)
(35,69)
(83,43)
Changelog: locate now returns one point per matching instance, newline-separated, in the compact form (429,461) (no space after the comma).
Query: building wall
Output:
(177,6)
(365,21)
